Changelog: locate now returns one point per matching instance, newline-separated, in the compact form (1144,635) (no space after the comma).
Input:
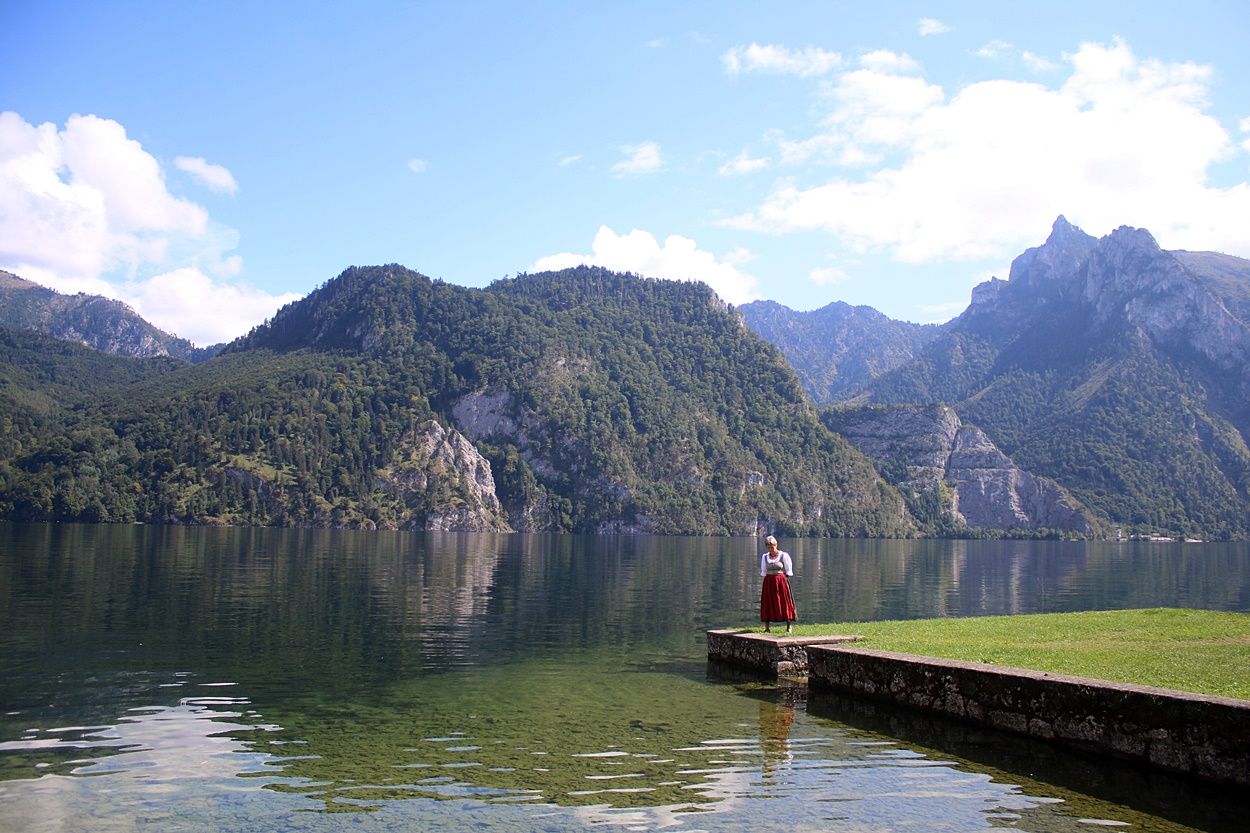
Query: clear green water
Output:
(270,680)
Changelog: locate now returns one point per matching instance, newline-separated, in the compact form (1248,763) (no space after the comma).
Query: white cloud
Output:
(678,259)
(929,26)
(643,159)
(827,275)
(84,200)
(416,165)
(874,110)
(216,177)
(777,59)
(569,160)
(86,209)
(885,61)
(743,164)
(194,306)
(1123,141)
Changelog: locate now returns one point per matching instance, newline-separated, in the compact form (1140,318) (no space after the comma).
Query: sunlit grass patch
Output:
(1202,651)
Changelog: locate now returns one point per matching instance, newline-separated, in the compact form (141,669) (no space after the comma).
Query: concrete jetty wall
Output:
(1191,734)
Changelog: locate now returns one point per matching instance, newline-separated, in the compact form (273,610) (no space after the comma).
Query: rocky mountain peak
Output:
(1046,267)
(1128,268)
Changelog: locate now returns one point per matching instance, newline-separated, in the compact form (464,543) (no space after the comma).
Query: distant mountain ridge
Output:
(839,347)
(92,320)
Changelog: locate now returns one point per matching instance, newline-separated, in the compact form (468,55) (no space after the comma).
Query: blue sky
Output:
(208,162)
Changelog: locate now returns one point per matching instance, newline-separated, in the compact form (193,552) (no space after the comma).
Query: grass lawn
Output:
(1201,651)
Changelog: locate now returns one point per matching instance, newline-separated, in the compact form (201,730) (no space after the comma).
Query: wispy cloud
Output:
(780,60)
(744,164)
(569,160)
(926,177)
(995,49)
(930,26)
(216,177)
(1037,63)
(827,275)
(417,165)
(643,159)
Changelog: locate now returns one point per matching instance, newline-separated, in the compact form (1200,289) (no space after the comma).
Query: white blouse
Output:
(780,564)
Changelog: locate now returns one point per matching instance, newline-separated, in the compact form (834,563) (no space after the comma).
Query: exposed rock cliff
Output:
(927,450)
(487,415)
(445,482)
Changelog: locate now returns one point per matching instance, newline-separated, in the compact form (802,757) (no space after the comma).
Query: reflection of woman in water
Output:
(776,603)
(775,720)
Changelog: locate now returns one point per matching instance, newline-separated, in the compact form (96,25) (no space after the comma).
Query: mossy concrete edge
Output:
(1198,735)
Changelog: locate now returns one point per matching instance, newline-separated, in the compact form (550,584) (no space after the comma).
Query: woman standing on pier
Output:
(776,603)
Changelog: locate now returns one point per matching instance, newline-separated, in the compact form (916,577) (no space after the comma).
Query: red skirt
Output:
(776,603)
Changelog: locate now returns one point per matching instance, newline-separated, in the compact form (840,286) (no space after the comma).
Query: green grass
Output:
(1202,651)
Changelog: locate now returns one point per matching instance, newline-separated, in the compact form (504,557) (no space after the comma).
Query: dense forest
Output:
(603,402)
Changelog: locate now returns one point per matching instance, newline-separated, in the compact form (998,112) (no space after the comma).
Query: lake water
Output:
(174,679)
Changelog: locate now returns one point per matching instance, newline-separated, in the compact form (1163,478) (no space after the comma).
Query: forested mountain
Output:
(838,347)
(602,402)
(92,320)
(1120,370)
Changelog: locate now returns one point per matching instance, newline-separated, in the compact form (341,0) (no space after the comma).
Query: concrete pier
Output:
(1195,735)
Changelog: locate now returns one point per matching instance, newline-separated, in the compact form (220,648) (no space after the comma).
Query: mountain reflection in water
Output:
(225,679)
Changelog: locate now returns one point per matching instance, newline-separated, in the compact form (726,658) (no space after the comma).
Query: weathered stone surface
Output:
(935,448)
(1192,734)
(768,654)
(442,460)
(494,415)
